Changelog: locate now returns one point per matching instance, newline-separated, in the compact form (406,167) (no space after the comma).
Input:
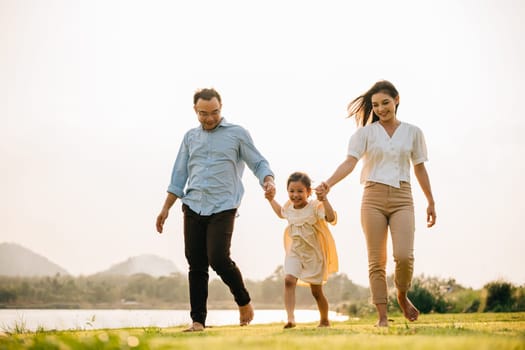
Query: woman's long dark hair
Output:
(361,107)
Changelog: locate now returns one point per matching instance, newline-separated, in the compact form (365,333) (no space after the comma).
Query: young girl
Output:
(310,249)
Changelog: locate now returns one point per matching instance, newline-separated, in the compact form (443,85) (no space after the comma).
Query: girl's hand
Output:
(320,196)
(270,194)
(322,190)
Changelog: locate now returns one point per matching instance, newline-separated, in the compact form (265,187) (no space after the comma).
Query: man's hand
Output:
(269,186)
(270,195)
(170,199)
(160,220)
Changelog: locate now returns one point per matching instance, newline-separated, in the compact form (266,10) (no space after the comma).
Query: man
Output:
(207,176)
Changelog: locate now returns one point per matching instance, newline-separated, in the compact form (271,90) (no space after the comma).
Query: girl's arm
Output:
(329,212)
(422,177)
(276,208)
(270,195)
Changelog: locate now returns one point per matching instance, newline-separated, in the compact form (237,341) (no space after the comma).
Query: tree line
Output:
(429,294)
(145,291)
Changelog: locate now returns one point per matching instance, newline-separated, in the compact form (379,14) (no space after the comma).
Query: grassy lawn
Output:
(448,331)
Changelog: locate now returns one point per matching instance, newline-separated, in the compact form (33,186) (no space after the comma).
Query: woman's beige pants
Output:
(382,207)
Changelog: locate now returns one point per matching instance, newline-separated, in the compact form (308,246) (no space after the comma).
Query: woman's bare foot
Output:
(409,310)
(382,315)
(382,323)
(289,325)
(245,314)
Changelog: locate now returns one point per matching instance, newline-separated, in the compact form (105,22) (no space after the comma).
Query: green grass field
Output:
(447,331)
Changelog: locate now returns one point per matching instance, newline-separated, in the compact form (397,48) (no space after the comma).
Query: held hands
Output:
(322,190)
(269,195)
(321,197)
(269,190)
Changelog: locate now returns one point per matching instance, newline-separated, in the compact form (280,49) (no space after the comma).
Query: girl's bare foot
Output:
(409,310)
(289,325)
(323,324)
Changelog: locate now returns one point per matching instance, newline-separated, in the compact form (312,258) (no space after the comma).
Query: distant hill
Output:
(149,264)
(16,260)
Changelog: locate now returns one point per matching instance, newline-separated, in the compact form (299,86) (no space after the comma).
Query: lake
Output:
(46,319)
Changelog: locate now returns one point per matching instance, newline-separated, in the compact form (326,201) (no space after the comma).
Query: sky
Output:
(95,97)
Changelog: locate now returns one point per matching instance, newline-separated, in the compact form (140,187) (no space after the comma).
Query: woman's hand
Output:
(322,190)
(431,215)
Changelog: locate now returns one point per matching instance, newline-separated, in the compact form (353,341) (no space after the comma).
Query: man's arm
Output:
(168,203)
(255,160)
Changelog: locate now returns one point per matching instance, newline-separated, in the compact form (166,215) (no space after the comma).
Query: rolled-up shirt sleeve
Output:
(253,158)
(179,174)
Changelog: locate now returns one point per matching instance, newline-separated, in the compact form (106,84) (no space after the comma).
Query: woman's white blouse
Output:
(387,159)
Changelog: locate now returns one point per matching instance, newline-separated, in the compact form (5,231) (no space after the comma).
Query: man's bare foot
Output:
(245,314)
(289,325)
(409,310)
(195,327)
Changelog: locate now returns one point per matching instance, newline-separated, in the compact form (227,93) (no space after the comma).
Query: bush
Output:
(422,298)
(361,309)
(7,296)
(499,297)
(519,300)
(464,300)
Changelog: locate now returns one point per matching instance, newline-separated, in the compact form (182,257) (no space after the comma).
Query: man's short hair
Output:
(206,94)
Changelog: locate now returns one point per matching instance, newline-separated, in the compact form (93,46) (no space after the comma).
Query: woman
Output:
(387,147)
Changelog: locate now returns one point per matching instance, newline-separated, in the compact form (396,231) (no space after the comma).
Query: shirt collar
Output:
(223,123)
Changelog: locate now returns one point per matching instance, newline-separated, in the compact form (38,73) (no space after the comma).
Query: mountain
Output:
(149,264)
(16,260)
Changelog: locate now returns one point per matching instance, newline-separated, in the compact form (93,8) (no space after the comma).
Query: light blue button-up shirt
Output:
(207,174)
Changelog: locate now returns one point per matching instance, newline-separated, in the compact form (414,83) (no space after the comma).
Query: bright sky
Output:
(96,96)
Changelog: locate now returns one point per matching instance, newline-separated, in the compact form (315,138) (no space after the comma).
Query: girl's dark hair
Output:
(302,177)
(361,107)
(206,94)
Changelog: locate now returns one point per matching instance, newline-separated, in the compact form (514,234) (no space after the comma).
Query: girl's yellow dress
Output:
(311,255)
